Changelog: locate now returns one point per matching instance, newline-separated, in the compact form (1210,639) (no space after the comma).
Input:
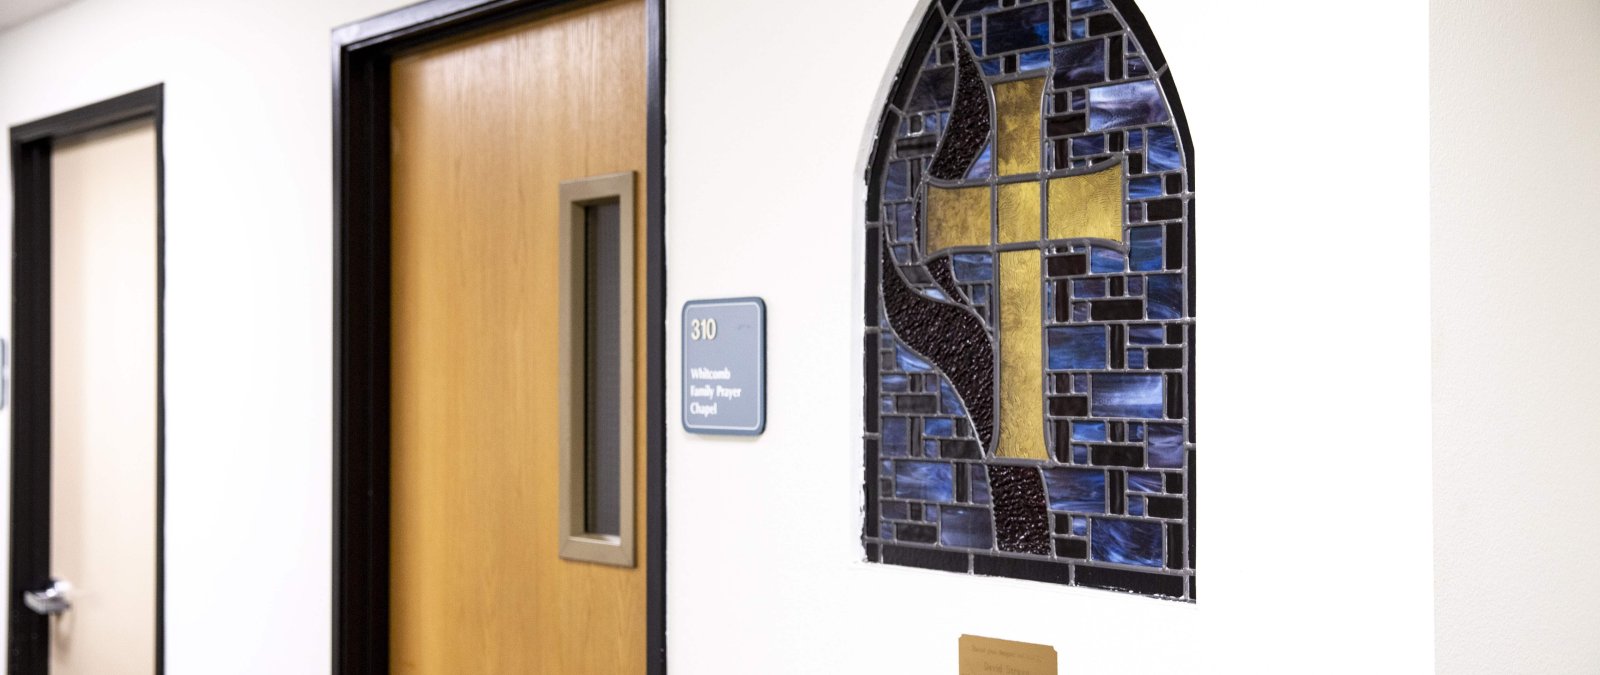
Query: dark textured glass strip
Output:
(1193,509)
(1117,491)
(1175,396)
(869,525)
(1021,514)
(870,314)
(869,365)
(1015,568)
(944,276)
(924,558)
(969,123)
(872,552)
(1165,585)
(1175,547)
(952,338)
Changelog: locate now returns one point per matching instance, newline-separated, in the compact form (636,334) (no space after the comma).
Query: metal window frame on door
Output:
(362,52)
(31,146)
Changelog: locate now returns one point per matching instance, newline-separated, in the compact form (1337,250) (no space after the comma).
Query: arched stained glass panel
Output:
(1030,302)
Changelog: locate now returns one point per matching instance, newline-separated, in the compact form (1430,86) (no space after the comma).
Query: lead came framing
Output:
(1029,339)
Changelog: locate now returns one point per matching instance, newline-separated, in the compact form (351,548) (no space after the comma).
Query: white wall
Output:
(1516,109)
(1311,128)
(1310,122)
(248,268)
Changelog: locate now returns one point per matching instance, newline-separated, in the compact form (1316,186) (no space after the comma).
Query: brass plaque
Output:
(989,656)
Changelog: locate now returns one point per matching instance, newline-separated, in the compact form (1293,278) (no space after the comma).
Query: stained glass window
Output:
(1029,343)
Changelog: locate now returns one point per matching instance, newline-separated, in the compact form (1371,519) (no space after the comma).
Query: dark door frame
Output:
(362,52)
(31,145)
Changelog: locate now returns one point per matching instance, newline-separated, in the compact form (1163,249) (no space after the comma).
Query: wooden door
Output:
(103,394)
(485,130)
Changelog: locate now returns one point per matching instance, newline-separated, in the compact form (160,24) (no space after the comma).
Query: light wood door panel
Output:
(103,400)
(485,129)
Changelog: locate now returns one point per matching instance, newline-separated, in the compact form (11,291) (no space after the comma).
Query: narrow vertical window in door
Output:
(103,401)
(508,439)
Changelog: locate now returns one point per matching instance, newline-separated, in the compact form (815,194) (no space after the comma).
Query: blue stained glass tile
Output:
(1146,187)
(901,254)
(895,383)
(1126,395)
(1146,481)
(935,293)
(930,448)
(1136,432)
(935,87)
(1145,248)
(1083,6)
(1080,384)
(1080,29)
(1137,67)
(932,123)
(1092,145)
(1135,286)
(1077,348)
(991,67)
(1080,454)
(981,165)
(1107,261)
(1089,431)
(1127,542)
(1135,140)
(973,6)
(975,26)
(1034,60)
(1163,155)
(1080,63)
(1019,28)
(1136,506)
(977,45)
(965,527)
(973,267)
(910,362)
(886,530)
(930,513)
(1125,105)
(1079,490)
(1088,288)
(939,427)
(980,295)
(1136,359)
(1164,450)
(895,437)
(980,485)
(886,404)
(949,403)
(1147,335)
(1080,526)
(926,481)
(899,177)
(905,218)
(1165,296)
(893,510)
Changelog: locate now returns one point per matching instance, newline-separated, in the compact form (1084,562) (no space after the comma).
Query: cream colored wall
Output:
(103,400)
(1516,133)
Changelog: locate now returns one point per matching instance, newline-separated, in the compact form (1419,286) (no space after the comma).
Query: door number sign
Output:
(725,366)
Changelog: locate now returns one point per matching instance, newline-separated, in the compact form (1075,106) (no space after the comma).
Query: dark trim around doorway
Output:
(362,52)
(29,356)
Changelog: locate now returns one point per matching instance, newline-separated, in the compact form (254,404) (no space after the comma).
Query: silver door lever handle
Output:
(50,601)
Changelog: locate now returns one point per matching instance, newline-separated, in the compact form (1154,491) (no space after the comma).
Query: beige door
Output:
(103,400)
(485,131)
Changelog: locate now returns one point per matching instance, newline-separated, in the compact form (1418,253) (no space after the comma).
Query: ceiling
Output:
(14,12)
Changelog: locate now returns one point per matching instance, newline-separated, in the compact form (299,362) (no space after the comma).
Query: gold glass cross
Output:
(1018,212)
